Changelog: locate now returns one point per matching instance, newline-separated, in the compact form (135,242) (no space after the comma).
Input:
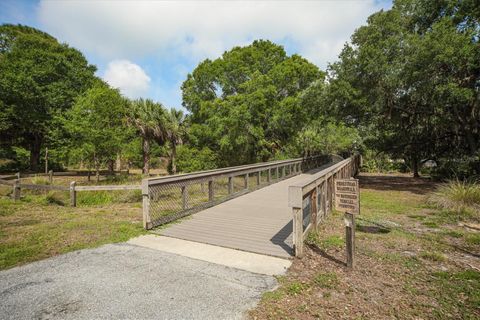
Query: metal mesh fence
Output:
(168,201)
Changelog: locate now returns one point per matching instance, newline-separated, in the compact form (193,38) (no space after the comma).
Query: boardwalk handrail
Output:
(312,199)
(166,199)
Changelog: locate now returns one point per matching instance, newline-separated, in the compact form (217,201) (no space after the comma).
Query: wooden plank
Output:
(259,221)
(6,182)
(108,188)
(43,187)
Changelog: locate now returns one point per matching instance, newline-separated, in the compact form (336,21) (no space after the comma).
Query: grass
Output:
(433,256)
(40,226)
(458,291)
(412,255)
(460,197)
(327,280)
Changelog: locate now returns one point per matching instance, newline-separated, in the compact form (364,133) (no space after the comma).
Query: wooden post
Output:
(246,182)
(16,190)
(283,172)
(73,194)
(88,175)
(147,223)
(18,175)
(269,175)
(277,176)
(298,231)
(184,197)
(230,185)
(258,177)
(350,238)
(210,190)
(50,176)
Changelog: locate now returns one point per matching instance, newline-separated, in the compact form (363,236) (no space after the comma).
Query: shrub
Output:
(191,159)
(457,196)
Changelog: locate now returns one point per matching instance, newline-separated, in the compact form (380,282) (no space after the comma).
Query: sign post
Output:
(347,200)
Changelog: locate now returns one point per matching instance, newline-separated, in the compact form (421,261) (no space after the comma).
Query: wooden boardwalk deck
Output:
(259,222)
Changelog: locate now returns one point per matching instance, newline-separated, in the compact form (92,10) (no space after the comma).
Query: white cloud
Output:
(200,29)
(128,77)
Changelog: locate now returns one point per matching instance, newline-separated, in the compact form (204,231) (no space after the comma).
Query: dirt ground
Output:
(412,262)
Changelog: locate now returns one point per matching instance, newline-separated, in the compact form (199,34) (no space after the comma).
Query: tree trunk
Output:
(146,156)
(118,163)
(97,168)
(173,157)
(111,165)
(35,147)
(415,166)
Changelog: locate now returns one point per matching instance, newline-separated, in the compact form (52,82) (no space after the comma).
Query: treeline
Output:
(406,89)
(410,82)
(249,105)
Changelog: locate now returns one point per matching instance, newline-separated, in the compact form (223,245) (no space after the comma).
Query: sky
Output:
(147,48)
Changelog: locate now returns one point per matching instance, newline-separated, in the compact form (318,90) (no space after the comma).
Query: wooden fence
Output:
(313,199)
(17,186)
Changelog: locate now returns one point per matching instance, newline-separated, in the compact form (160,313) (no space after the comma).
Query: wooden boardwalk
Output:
(260,222)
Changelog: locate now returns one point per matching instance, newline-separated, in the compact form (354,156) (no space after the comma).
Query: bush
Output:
(457,196)
(380,162)
(191,159)
(463,168)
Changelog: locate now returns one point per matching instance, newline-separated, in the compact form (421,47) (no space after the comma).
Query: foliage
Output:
(39,78)
(96,124)
(410,79)
(324,137)
(191,159)
(245,105)
(176,127)
(150,121)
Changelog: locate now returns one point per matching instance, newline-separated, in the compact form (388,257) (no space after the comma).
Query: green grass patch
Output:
(295,288)
(330,242)
(273,295)
(326,280)
(37,229)
(458,293)
(433,256)
(472,238)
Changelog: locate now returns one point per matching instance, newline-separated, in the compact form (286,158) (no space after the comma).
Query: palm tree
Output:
(149,119)
(175,131)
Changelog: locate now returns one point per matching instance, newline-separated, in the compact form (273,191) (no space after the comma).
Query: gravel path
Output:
(124,281)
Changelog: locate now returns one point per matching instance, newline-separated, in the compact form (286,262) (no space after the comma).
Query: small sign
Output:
(347,197)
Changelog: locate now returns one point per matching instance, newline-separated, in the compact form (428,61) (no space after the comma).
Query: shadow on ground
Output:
(396,183)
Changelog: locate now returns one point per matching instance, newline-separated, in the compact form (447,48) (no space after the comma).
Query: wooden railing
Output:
(17,186)
(166,199)
(312,200)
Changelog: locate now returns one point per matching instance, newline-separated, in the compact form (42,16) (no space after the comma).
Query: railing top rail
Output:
(304,187)
(222,171)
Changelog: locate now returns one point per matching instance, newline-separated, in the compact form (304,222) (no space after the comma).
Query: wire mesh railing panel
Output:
(239,183)
(171,198)
(220,188)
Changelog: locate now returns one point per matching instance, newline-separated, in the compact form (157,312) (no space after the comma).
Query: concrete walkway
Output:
(126,281)
(259,222)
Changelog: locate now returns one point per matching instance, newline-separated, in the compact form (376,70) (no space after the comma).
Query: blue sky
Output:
(147,48)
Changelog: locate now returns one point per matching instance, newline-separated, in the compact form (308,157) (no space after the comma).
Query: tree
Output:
(175,130)
(245,106)
(150,120)
(97,124)
(39,78)
(410,79)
